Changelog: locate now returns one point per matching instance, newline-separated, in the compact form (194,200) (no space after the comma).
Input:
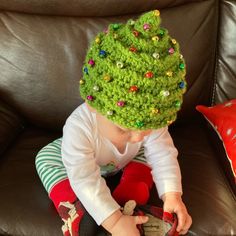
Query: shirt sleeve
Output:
(83,171)
(161,155)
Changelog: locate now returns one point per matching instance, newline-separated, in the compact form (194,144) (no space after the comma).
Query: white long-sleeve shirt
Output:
(85,151)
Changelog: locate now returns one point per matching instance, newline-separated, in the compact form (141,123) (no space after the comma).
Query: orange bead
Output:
(149,74)
(133,88)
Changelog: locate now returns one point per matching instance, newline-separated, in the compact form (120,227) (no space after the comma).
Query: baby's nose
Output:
(137,137)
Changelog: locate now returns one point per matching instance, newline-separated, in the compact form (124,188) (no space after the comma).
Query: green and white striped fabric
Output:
(49,165)
(140,156)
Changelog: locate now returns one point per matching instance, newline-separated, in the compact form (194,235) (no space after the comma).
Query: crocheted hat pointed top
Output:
(134,74)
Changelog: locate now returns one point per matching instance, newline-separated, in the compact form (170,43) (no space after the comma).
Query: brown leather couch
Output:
(42,48)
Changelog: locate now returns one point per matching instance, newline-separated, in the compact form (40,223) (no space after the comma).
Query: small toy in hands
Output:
(159,224)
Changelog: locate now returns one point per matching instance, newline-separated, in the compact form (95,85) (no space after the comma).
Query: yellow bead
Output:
(97,40)
(155,38)
(155,111)
(169,122)
(107,78)
(156,13)
(173,41)
(81,81)
(115,36)
(169,73)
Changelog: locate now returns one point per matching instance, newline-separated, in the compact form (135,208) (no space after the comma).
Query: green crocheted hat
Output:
(134,74)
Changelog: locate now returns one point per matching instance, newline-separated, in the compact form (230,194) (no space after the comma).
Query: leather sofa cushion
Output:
(225,85)
(11,125)
(87,8)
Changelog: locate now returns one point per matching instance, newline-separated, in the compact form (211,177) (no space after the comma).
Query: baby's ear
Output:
(90,108)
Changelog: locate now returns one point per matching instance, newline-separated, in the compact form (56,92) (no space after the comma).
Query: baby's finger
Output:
(182,232)
(140,219)
(187,225)
(181,221)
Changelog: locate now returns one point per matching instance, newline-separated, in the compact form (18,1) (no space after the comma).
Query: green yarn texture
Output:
(134,74)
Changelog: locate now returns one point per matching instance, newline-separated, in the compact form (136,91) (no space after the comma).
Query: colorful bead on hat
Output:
(134,74)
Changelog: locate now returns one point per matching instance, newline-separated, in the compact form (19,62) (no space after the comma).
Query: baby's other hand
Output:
(127,225)
(173,203)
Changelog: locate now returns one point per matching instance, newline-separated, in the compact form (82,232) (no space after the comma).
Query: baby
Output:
(133,83)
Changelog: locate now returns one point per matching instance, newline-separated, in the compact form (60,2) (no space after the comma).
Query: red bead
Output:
(133,49)
(136,33)
(149,74)
(133,88)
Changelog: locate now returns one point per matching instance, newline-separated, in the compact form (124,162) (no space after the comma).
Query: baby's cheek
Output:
(135,139)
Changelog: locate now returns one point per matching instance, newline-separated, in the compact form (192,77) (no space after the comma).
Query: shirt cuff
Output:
(101,216)
(166,187)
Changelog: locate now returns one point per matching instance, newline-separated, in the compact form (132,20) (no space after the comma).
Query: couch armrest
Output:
(11,124)
(222,157)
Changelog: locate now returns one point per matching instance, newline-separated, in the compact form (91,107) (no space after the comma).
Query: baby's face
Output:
(119,134)
(116,133)
(134,136)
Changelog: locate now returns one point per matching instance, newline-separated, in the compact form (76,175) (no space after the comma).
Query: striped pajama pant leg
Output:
(54,178)
(49,165)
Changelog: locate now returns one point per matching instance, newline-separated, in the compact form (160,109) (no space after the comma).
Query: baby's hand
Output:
(119,224)
(127,225)
(173,203)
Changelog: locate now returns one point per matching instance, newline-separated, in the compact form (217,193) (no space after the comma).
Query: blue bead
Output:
(102,53)
(86,70)
(182,84)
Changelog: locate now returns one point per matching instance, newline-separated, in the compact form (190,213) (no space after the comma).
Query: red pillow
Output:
(222,117)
